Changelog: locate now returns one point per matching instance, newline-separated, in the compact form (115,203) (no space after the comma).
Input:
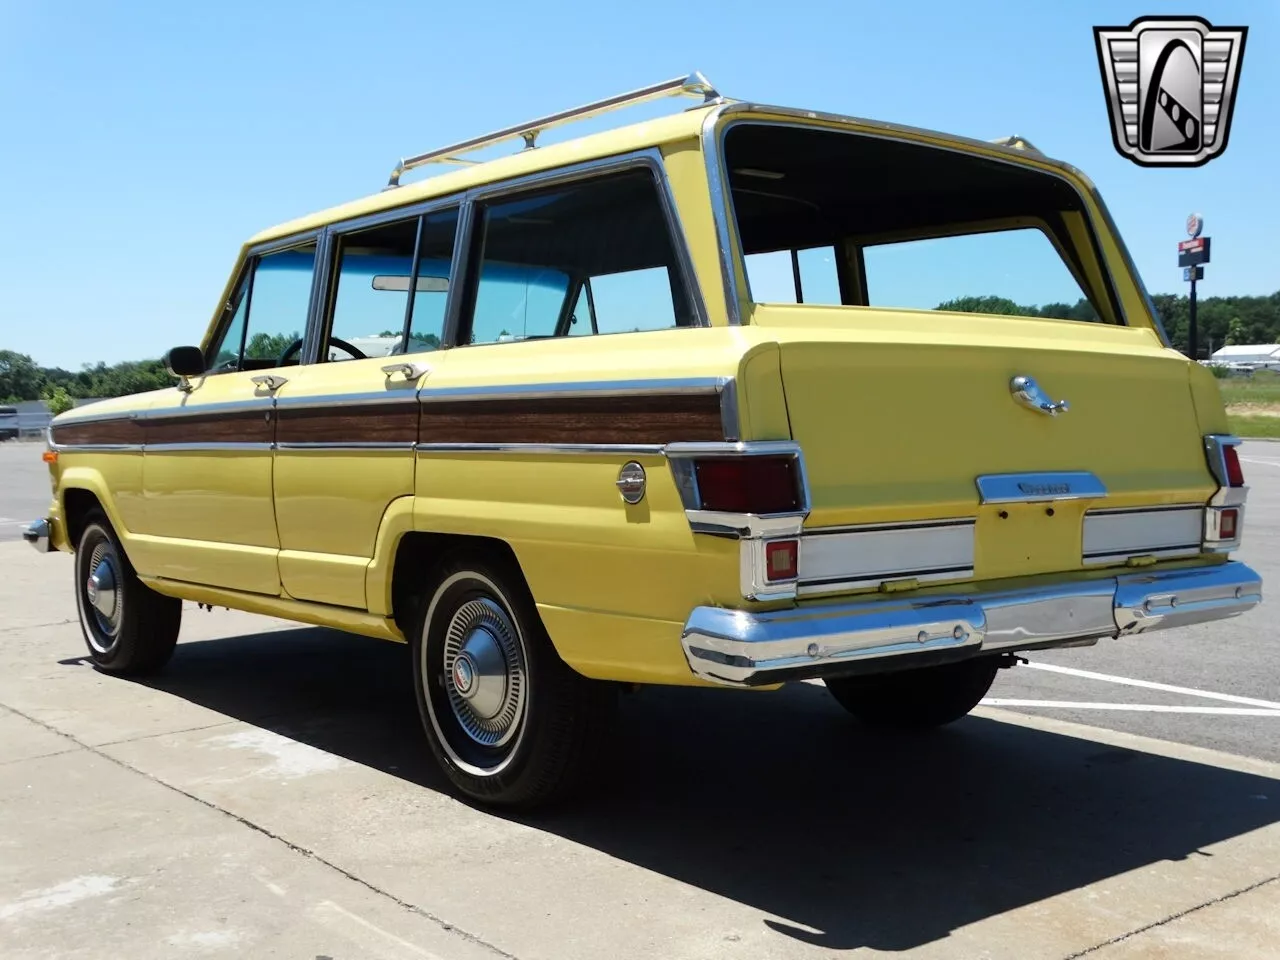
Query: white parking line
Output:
(1265,463)
(1136,707)
(1151,685)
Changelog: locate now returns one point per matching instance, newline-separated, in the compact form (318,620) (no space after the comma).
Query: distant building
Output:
(33,415)
(1266,355)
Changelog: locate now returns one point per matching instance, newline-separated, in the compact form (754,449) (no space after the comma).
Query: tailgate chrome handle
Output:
(270,381)
(410,371)
(1027,392)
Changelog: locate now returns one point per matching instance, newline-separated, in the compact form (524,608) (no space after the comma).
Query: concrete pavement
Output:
(270,795)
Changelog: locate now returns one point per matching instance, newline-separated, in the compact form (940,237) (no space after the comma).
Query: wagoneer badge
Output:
(1045,489)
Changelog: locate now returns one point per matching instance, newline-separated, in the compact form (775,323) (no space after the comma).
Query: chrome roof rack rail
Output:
(694,85)
(1017,143)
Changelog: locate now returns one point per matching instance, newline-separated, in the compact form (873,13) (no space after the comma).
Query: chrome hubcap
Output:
(485,672)
(102,591)
(101,588)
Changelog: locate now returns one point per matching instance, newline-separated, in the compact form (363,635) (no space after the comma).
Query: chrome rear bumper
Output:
(740,648)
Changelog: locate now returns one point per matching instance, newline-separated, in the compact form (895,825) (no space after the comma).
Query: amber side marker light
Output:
(49,456)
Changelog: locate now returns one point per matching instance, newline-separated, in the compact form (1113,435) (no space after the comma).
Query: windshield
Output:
(842,219)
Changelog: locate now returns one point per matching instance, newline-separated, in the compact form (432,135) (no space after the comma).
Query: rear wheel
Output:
(508,721)
(128,627)
(916,699)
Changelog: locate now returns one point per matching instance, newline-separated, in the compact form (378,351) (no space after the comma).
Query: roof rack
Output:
(694,85)
(1017,143)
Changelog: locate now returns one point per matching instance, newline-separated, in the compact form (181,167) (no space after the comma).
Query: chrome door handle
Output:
(410,371)
(1027,392)
(270,381)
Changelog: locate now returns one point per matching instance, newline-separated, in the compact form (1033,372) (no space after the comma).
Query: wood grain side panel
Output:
(395,422)
(247,426)
(642,419)
(102,431)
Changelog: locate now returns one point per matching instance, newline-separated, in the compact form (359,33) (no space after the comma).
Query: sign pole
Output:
(1193,254)
(1192,331)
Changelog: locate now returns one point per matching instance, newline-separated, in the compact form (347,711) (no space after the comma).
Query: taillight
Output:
(1224,513)
(754,484)
(1231,460)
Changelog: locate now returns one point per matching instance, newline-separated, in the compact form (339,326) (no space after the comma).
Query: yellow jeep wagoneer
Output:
(737,396)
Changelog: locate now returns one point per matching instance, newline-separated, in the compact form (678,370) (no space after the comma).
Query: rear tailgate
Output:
(899,413)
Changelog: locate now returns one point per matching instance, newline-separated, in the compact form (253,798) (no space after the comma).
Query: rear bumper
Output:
(740,648)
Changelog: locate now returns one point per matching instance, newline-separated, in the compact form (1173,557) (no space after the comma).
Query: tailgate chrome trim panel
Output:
(744,648)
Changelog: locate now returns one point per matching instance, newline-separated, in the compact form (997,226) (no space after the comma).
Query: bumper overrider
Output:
(742,648)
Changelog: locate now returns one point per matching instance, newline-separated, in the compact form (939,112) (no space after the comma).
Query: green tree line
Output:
(1221,321)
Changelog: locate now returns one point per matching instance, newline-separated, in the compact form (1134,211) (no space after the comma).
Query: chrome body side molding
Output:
(742,648)
(585,388)
(552,449)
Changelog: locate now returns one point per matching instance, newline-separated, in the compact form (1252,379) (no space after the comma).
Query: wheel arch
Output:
(80,490)
(419,556)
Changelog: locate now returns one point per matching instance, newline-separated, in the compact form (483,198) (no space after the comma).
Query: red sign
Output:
(1184,246)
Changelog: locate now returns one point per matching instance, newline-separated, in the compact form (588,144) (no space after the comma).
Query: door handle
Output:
(1028,393)
(270,381)
(410,371)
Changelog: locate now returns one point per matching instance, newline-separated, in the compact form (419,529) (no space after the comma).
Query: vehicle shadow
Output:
(780,801)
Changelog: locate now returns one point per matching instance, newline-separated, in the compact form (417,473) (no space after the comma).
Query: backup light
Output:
(781,560)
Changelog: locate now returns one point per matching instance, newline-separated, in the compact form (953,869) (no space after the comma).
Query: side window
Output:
(270,318)
(591,257)
(794,276)
(374,314)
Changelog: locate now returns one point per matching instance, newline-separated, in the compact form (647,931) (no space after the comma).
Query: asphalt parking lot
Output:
(269,795)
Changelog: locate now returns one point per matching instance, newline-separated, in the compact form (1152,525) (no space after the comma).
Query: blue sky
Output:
(142,146)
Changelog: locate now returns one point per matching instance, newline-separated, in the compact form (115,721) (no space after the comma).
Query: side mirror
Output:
(184,362)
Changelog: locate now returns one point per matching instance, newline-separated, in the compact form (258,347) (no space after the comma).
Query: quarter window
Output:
(593,257)
(794,276)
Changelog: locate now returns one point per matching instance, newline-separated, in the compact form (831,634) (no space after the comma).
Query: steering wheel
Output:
(294,347)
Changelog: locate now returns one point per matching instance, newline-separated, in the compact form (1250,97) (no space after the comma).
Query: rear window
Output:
(843,219)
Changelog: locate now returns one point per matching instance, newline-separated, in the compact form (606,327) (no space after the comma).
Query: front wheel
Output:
(916,699)
(508,721)
(128,627)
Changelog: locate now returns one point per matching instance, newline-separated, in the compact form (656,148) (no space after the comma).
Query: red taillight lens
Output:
(1228,523)
(1235,475)
(781,560)
(748,484)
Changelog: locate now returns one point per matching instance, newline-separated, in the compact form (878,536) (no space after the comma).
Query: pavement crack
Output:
(165,733)
(296,848)
(1172,917)
(39,756)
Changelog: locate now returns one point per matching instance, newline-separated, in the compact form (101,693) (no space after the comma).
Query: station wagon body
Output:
(642,408)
